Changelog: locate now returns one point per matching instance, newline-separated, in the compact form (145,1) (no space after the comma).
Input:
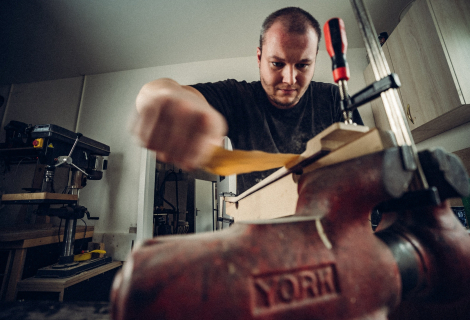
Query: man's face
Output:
(286,64)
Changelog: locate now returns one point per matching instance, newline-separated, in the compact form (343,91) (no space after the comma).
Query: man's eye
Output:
(302,65)
(277,64)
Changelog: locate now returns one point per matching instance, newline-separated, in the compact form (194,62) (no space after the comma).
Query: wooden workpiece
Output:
(341,142)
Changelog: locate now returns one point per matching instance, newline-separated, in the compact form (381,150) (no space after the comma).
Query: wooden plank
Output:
(367,144)
(39,196)
(15,235)
(332,138)
(28,243)
(58,285)
(15,272)
(6,275)
(279,199)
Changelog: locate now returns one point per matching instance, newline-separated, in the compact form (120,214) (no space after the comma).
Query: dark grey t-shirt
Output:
(255,124)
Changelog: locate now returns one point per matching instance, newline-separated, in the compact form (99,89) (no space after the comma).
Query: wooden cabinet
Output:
(430,52)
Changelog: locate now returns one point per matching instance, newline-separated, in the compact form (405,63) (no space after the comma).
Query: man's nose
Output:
(289,75)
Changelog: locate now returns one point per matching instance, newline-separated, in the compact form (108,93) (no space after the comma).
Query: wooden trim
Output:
(447,121)
(15,273)
(11,236)
(39,196)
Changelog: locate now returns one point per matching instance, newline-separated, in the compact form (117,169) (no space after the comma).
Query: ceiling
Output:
(53,39)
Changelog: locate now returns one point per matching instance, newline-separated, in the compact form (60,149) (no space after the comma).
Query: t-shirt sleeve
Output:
(234,100)
(221,95)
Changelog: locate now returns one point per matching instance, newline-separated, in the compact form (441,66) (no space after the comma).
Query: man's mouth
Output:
(287,91)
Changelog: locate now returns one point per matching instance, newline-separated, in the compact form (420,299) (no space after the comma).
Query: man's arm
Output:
(178,123)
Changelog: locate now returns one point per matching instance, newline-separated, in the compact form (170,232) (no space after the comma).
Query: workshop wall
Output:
(102,107)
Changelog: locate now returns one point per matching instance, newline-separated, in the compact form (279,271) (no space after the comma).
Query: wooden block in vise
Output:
(279,199)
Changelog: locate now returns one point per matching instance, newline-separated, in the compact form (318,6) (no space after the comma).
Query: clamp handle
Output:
(337,45)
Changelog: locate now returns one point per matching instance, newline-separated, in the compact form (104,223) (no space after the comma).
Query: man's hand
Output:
(177,122)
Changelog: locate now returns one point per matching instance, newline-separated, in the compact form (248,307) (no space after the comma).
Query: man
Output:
(279,113)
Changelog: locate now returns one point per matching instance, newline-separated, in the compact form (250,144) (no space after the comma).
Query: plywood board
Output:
(8,237)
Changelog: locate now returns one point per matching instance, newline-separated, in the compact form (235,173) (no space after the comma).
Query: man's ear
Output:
(258,55)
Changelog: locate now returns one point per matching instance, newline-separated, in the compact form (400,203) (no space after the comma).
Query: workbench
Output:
(16,242)
(59,284)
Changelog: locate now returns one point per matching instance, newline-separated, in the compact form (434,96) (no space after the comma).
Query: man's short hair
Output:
(294,19)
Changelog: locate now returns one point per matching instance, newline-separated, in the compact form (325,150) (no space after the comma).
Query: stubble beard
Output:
(283,105)
(277,102)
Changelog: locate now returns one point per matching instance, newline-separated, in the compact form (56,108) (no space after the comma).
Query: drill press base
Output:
(57,271)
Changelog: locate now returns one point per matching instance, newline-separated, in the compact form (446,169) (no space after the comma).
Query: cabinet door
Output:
(428,90)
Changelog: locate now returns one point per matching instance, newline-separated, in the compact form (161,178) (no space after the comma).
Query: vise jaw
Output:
(324,262)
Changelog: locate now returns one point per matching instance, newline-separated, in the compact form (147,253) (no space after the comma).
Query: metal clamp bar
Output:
(392,103)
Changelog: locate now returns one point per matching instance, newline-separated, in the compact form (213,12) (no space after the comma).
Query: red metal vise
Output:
(322,263)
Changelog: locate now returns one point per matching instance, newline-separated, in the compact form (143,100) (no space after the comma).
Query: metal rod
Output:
(392,104)
(79,135)
(343,92)
(68,242)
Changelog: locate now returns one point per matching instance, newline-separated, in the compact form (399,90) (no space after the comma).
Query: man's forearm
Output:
(178,123)
(165,89)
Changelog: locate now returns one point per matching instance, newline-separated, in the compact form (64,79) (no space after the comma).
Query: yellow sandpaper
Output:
(225,162)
